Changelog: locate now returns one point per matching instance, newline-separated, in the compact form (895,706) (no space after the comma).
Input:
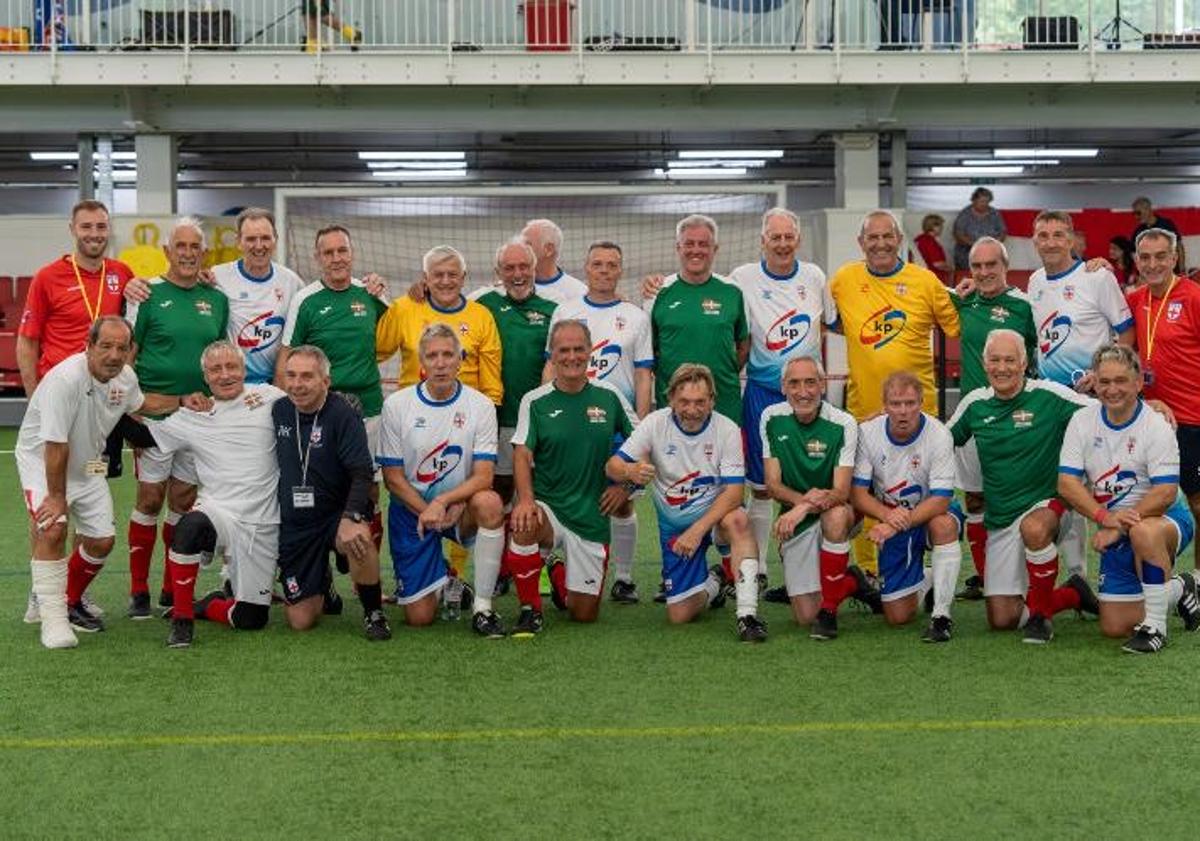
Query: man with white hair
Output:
(554,284)
(171,328)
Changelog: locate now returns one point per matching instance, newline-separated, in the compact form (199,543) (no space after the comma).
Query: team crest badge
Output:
(463,328)
(293,586)
(254,400)
(1022,418)
(1174,310)
(314,437)
(901,289)
(619,323)
(535,318)
(915,462)
(460,420)
(115,396)
(1068,293)
(710,307)
(596,415)
(358,309)
(708,451)
(999,314)
(113,283)
(802,292)
(816,448)
(1131,445)
(278,294)
(864,289)
(204,307)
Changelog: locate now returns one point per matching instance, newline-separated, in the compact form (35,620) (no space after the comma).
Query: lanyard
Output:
(1152,324)
(93,311)
(308,446)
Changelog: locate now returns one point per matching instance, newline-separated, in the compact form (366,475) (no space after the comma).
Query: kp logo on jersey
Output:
(1054,332)
(881,327)
(692,488)
(788,332)
(905,495)
(605,358)
(262,332)
(1113,486)
(439,463)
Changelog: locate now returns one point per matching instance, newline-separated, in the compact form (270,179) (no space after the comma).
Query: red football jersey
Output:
(1168,340)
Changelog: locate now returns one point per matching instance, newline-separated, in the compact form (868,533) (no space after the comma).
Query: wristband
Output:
(1099,514)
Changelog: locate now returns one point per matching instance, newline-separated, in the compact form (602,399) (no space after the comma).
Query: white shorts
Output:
(1006,575)
(801,561)
(251,550)
(966,467)
(586,559)
(504,451)
(154,466)
(89,503)
(372,426)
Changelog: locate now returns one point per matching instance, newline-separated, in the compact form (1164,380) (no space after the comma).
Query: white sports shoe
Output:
(33,613)
(92,608)
(57,633)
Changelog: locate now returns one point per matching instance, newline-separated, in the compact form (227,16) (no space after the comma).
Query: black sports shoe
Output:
(717,573)
(166,598)
(867,592)
(333,604)
(972,590)
(1145,640)
(468,598)
(751,629)
(1088,603)
(376,626)
(529,623)
(776,595)
(1188,606)
(82,619)
(1038,630)
(624,592)
(200,606)
(824,627)
(139,607)
(557,600)
(661,596)
(488,625)
(182,633)
(938,630)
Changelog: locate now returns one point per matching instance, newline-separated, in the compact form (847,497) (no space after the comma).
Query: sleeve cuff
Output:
(644,363)
(387,461)
(1070,471)
(1164,480)
(624,456)
(1123,326)
(483,456)
(945,492)
(862,483)
(732,480)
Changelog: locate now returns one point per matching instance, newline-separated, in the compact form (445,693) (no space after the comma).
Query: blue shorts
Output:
(419,564)
(1119,580)
(902,558)
(682,577)
(755,400)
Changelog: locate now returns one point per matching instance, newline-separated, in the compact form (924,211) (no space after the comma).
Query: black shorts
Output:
(304,559)
(1189,458)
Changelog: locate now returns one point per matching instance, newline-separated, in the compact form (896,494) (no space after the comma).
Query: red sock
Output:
(558,580)
(727,567)
(977,540)
(218,610)
(836,585)
(1064,598)
(377,531)
(183,587)
(524,570)
(168,534)
(141,547)
(1040,598)
(79,575)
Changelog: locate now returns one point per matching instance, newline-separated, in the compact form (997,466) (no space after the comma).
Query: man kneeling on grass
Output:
(694,458)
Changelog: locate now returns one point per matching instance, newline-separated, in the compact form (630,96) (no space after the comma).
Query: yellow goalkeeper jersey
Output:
(888,320)
(401,326)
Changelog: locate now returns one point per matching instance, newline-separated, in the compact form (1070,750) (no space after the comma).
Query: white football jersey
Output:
(691,469)
(258,308)
(436,442)
(621,340)
(72,407)
(233,444)
(561,288)
(785,313)
(905,474)
(1120,463)
(1076,313)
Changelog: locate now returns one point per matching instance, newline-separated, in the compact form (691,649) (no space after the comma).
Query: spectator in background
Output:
(1120,254)
(930,246)
(978,219)
(1143,211)
(1080,246)
(317,12)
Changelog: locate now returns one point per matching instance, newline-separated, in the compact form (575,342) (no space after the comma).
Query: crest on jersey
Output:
(460,420)
(1054,332)
(464,328)
(901,289)
(439,463)
(534,317)
(865,288)
(596,415)
(708,450)
(254,400)
(115,395)
(802,292)
(1113,485)
(605,358)
(278,294)
(1174,310)
(204,307)
(358,309)
(1022,418)
(1131,444)
(816,448)
(789,331)
(915,461)
(1068,293)
(690,490)
(619,323)
(314,437)
(293,586)
(261,332)
(999,314)
(710,307)
(113,283)
(882,327)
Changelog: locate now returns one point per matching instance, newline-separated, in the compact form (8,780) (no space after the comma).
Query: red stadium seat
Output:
(8,350)
(8,290)
(23,284)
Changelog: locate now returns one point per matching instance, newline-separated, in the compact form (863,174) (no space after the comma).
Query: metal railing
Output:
(498,26)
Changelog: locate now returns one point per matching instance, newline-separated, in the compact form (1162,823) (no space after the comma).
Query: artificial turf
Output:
(625,729)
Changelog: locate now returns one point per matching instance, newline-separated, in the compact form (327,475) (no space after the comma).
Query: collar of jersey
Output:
(549,280)
(462,303)
(241,267)
(1063,274)
(1137,411)
(795,268)
(887,430)
(892,273)
(675,420)
(430,402)
(592,303)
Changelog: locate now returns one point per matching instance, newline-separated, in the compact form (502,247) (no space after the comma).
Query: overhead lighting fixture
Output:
(691,172)
(121,174)
(416,164)
(733,154)
(412,156)
(1028,152)
(977,170)
(748,162)
(406,174)
(1011,161)
(74,156)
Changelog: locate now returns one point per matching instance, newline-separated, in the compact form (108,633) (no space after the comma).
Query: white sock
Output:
(50,584)
(712,588)
(762,512)
(489,546)
(1024,617)
(926,583)
(1156,606)
(946,560)
(1071,545)
(624,544)
(1174,589)
(747,587)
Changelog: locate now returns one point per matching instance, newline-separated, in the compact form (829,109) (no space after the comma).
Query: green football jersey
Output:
(570,437)
(341,323)
(171,329)
(523,327)
(979,316)
(1018,440)
(808,453)
(700,323)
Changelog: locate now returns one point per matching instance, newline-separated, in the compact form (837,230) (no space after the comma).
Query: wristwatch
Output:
(354,517)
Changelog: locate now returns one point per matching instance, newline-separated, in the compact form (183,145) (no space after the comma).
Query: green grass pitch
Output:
(625,729)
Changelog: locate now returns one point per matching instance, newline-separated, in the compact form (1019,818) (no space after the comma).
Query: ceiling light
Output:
(724,171)
(734,154)
(412,156)
(748,162)
(74,156)
(406,174)
(976,170)
(1010,161)
(416,164)
(1028,152)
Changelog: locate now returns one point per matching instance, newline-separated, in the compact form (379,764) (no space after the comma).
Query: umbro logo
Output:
(324,310)
(555,413)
